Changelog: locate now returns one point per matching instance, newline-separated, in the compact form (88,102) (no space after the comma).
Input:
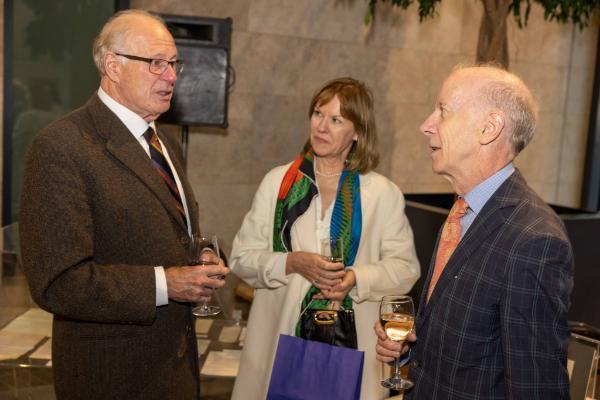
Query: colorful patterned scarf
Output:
(297,190)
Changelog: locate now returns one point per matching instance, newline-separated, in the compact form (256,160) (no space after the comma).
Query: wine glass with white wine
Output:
(397,316)
(204,250)
(332,250)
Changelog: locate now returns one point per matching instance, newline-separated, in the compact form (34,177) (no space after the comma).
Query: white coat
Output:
(386,263)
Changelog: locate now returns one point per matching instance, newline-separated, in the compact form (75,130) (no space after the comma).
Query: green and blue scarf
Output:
(297,190)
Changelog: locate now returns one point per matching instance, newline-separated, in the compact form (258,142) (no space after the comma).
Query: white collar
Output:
(136,124)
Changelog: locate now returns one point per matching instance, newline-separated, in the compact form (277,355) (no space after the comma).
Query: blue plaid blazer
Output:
(495,326)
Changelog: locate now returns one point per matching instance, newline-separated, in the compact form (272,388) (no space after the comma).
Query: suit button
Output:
(414,364)
(184,240)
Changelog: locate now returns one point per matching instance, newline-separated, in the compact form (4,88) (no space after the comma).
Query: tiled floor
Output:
(19,382)
(25,383)
(28,384)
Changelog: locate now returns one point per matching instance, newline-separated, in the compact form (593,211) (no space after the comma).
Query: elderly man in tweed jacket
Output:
(492,321)
(104,234)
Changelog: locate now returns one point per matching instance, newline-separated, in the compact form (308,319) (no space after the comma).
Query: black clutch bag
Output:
(329,326)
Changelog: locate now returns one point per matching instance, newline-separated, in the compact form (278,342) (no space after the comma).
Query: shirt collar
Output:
(480,194)
(134,123)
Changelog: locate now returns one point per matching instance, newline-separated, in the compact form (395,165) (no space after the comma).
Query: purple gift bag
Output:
(313,370)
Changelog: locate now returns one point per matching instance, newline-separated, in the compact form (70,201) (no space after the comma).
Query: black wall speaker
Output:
(201,91)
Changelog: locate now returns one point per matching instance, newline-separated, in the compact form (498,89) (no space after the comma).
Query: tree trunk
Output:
(493,39)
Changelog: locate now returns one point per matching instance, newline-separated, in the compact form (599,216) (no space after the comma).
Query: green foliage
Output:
(578,12)
(426,8)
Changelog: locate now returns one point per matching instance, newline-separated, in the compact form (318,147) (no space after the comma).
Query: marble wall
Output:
(282,50)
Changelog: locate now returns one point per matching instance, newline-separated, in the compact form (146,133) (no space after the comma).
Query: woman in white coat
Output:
(330,190)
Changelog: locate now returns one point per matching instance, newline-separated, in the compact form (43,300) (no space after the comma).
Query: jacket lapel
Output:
(123,146)
(485,224)
(187,189)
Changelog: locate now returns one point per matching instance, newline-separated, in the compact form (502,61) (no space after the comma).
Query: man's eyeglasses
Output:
(156,66)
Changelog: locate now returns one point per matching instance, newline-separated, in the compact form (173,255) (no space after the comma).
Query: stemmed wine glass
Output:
(332,250)
(204,250)
(397,316)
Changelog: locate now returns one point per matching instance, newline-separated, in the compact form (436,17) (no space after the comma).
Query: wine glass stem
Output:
(397,367)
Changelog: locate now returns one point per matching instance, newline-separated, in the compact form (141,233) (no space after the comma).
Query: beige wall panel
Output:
(249,147)
(469,29)
(540,42)
(442,66)
(410,160)
(572,161)
(326,60)
(406,78)
(546,189)
(439,185)
(401,28)
(579,92)
(223,207)
(548,84)
(312,19)
(574,144)
(539,161)
(237,10)
(584,46)
(268,64)
(282,50)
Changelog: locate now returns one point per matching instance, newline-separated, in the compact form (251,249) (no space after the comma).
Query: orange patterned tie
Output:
(448,241)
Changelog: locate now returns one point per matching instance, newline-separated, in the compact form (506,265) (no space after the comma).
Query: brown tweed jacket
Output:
(95,219)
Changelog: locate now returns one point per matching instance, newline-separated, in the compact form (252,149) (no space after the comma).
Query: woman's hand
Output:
(339,291)
(323,274)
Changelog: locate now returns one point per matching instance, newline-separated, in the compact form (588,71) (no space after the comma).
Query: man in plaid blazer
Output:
(494,325)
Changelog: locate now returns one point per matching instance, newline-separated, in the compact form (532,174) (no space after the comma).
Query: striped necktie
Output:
(162,167)
(448,241)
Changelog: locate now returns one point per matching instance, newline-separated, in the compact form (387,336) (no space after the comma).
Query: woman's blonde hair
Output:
(356,104)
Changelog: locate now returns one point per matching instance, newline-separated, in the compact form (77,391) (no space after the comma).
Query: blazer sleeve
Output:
(252,257)
(57,244)
(392,266)
(533,313)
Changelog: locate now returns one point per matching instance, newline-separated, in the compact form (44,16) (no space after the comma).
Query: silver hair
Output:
(507,92)
(112,37)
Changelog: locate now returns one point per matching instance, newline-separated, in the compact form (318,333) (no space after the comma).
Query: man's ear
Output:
(494,126)
(112,66)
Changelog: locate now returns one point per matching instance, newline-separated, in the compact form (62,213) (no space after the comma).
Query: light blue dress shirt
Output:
(480,194)
(476,200)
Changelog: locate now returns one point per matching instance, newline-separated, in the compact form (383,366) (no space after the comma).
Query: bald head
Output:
(122,29)
(507,93)
(483,118)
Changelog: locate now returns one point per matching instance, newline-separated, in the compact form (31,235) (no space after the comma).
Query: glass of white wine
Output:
(397,316)
(332,250)
(204,250)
